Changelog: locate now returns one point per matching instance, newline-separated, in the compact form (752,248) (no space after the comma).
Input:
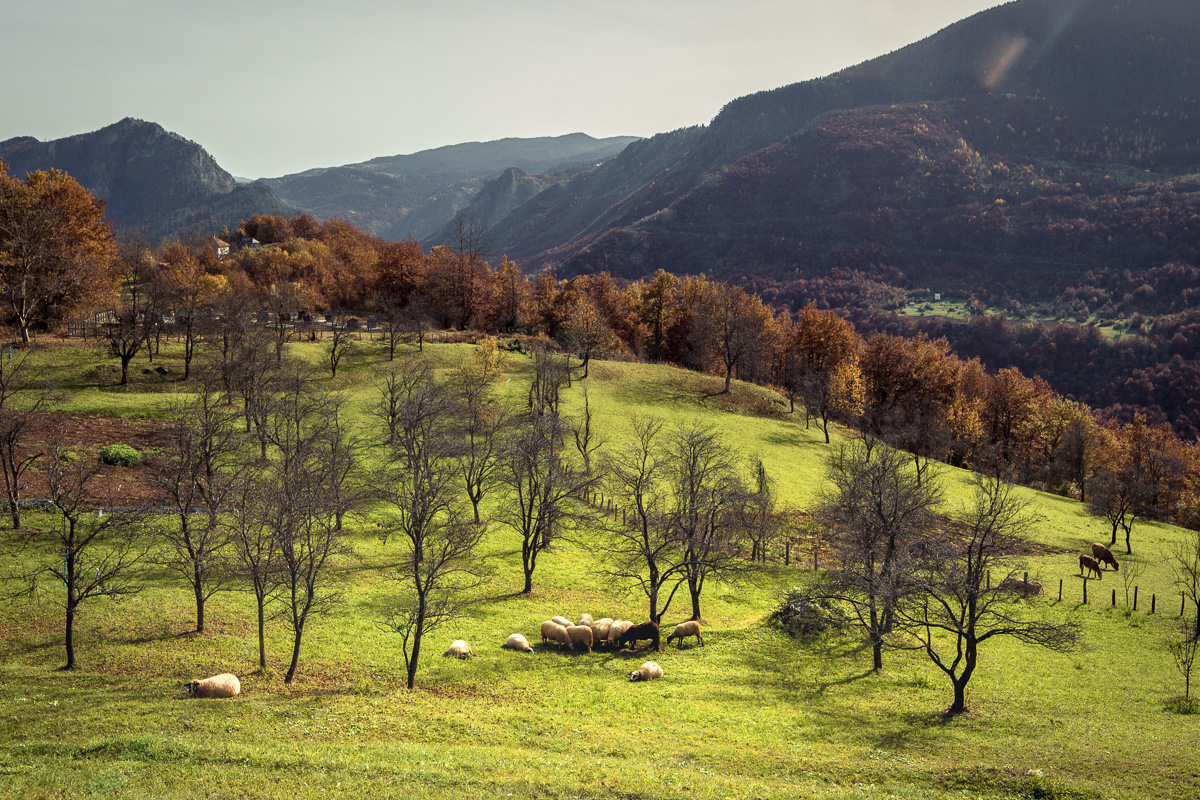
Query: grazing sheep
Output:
(1023,587)
(689,628)
(600,630)
(1092,565)
(566,623)
(646,672)
(223,685)
(557,633)
(616,629)
(646,630)
(518,642)
(459,649)
(580,634)
(547,628)
(586,619)
(1103,555)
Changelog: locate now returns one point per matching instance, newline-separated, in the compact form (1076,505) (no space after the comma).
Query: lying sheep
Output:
(646,672)
(580,634)
(566,623)
(518,642)
(459,649)
(616,629)
(689,628)
(1023,587)
(223,685)
(646,630)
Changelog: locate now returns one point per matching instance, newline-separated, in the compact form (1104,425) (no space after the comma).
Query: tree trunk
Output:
(198,588)
(262,637)
(291,673)
(70,637)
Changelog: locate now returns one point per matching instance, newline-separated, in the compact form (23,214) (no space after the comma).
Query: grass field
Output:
(751,714)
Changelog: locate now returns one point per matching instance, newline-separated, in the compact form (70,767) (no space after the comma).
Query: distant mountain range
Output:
(1009,153)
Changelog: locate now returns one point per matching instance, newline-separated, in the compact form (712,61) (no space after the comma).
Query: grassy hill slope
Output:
(752,713)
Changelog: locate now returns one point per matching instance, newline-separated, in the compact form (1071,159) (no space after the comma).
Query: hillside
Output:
(753,713)
(394,196)
(151,178)
(1074,104)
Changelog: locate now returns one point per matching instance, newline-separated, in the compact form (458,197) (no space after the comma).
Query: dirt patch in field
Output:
(112,486)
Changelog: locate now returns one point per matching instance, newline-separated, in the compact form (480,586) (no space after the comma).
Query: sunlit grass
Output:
(750,714)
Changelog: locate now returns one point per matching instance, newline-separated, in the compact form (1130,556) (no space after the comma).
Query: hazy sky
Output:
(271,87)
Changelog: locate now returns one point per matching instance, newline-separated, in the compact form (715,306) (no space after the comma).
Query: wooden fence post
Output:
(1060,580)
(1153,597)
(1135,598)
(1114,598)
(787,553)
(989,579)
(1085,583)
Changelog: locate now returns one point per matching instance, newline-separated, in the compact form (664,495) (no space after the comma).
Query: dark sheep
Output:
(647,630)
(1091,564)
(1103,555)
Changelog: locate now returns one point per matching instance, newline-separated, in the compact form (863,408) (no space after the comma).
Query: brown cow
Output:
(1105,556)
(1092,564)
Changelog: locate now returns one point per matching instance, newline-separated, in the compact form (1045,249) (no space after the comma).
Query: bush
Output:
(120,455)
(802,615)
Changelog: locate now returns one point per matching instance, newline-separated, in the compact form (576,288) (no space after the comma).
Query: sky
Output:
(271,87)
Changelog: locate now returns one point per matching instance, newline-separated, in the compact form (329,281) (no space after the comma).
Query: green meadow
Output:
(751,714)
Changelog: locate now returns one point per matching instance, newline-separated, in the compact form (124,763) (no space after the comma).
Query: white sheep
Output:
(566,623)
(557,633)
(646,672)
(580,634)
(548,629)
(586,619)
(223,685)
(616,629)
(689,628)
(600,630)
(518,642)
(459,649)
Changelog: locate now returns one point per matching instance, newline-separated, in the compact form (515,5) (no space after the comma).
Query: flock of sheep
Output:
(589,633)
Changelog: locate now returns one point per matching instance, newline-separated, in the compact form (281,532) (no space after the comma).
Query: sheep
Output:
(1023,587)
(600,630)
(616,629)
(557,633)
(689,628)
(1103,555)
(459,649)
(223,685)
(1092,565)
(548,629)
(580,634)
(646,672)
(646,630)
(566,623)
(586,619)
(518,642)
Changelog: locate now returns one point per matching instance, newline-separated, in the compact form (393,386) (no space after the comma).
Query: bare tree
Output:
(256,547)
(880,514)
(759,520)
(341,341)
(197,477)
(126,333)
(550,372)
(587,441)
(644,549)
(420,482)
(482,426)
(90,552)
(1184,559)
(956,611)
(1184,650)
(301,512)
(24,394)
(544,488)
(706,507)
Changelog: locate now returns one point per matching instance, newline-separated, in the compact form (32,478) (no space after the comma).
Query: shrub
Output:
(120,455)
(802,615)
